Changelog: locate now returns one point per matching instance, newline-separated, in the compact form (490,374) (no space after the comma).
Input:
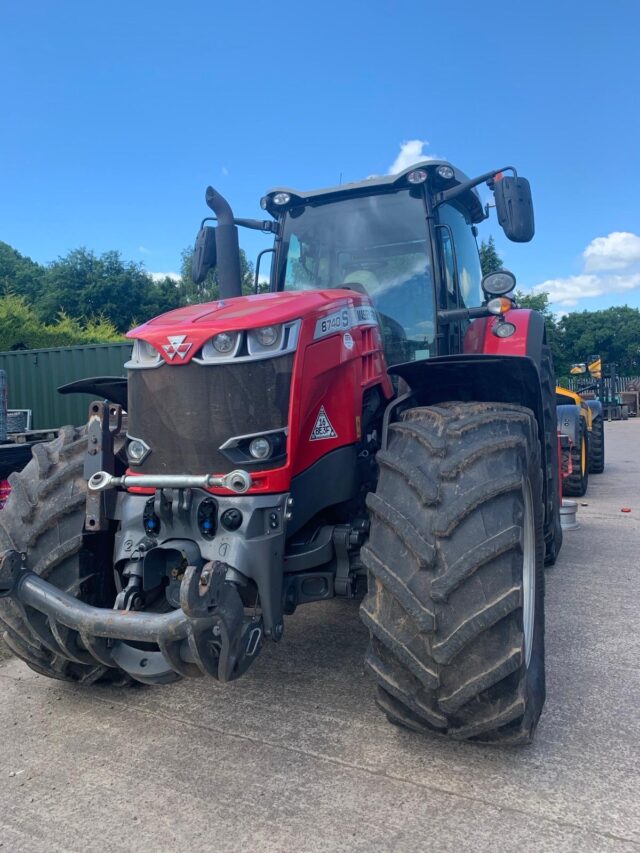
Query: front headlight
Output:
(222,345)
(252,344)
(225,342)
(265,339)
(144,354)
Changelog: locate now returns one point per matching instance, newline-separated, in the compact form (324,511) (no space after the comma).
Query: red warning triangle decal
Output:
(322,428)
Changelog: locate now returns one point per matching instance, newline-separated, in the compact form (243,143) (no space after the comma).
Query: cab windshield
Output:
(376,244)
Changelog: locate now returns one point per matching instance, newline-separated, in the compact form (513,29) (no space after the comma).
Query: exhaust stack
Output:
(227,246)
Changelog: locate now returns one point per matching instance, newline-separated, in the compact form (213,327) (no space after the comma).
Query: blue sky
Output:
(115,116)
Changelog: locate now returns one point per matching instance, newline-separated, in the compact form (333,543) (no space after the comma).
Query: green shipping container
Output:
(33,377)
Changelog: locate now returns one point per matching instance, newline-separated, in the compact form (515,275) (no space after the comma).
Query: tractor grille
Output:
(185,413)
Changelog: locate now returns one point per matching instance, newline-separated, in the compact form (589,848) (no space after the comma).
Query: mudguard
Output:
(111,388)
(596,408)
(474,378)
(569,418)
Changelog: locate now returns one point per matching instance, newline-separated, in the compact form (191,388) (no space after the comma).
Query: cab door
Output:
(461,272)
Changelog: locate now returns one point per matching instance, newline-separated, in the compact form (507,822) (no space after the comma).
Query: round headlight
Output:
(260,448)
(145,353)
(503,330)
(267,335)
(498,283)
(225,342)
(281,198)
(445,172)
(418,176)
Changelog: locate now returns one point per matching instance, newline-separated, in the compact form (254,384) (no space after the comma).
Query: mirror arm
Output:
(452,315)
(454,192)
(266,225)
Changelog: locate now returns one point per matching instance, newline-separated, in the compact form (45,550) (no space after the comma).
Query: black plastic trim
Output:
(569,417)
(331,480)
(111,388)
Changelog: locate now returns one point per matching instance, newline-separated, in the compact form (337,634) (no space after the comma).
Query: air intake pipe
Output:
(227,246)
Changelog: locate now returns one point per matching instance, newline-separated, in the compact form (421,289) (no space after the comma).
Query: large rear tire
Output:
(455,601)
(596,454)
(44,519)
(576,484)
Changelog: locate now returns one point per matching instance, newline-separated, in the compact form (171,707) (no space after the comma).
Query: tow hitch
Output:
(209,635)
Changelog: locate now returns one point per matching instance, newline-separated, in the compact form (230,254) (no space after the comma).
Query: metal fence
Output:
(34,375)
(620,384)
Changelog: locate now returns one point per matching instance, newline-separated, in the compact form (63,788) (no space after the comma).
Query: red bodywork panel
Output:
(332,369)
(480,338)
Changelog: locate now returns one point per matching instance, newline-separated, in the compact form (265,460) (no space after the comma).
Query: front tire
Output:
(576,484)
(596,455)
(455,602)
(44,520)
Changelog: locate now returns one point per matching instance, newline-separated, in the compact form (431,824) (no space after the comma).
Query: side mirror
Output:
(515,208)
(498,283)
(204,254)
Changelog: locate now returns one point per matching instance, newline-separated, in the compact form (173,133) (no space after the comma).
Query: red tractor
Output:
(383,419)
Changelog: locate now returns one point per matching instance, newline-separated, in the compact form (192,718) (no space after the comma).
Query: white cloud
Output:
(616,251)
(158,276)
(567,291)
(410,152)
(224,170)
(144,250)
(619,250)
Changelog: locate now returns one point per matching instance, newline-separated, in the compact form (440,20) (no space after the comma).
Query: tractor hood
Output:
(195,324)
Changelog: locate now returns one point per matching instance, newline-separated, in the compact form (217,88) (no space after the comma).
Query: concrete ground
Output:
(295,756)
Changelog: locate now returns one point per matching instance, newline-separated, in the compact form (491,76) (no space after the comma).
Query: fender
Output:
(111,388)
(478,378)
(569,418)
(475,379)
(596,408)
(490,370)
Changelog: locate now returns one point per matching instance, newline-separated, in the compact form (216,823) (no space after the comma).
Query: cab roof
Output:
(382,183)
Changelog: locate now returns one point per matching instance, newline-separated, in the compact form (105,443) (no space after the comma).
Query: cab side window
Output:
(448,265)
(469,274)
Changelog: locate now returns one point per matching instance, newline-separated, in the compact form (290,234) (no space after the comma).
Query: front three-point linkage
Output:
(209,635)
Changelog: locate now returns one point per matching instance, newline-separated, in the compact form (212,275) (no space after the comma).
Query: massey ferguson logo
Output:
(176,346)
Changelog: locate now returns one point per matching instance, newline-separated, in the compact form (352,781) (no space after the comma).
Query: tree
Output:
(613,333)
(161,296)
(20,275)
(20,328)
(540,302)
(490,260)
(84,285)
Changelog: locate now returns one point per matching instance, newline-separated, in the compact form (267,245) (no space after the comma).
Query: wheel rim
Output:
(584,456)
(528,573)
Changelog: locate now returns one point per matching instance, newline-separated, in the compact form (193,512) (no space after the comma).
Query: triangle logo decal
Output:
(322,428)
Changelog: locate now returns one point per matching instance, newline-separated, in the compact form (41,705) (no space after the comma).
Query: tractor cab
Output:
(407,241)
(383,237)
